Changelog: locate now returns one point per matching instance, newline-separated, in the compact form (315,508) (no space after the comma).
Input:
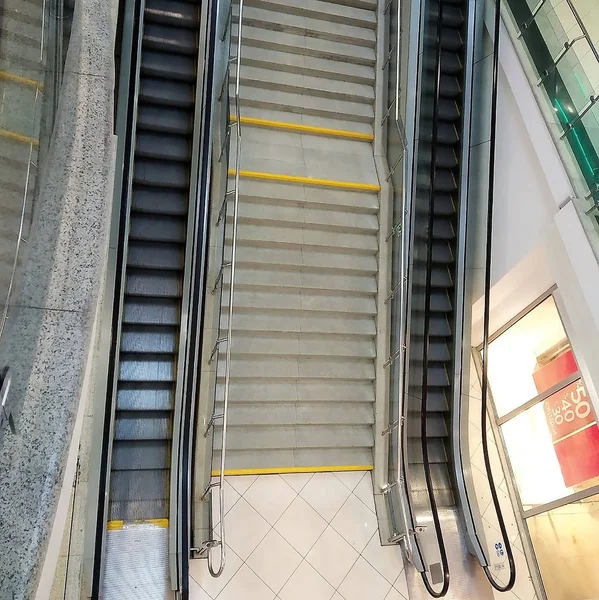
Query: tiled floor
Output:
(302,537)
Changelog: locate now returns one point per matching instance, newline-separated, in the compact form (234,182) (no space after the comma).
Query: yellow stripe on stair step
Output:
(347,185)
(119,524)
(299,128)
(287,470)
(7,76)
(18,137)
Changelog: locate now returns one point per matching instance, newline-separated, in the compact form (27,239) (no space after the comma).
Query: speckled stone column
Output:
(50,324)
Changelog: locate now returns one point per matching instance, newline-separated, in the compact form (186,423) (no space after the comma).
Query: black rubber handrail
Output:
(427,319)
(486,316)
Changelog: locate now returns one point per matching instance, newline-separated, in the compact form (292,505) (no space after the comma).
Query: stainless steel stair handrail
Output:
(220,483)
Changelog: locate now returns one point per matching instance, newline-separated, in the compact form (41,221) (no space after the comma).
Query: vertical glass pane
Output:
(529,358)
(554,446)
(565,543)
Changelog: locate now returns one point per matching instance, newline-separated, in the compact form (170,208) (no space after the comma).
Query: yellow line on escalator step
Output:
(299,128)
(7,76)
(287,470)
(18,137)
(119,524)
(346,185)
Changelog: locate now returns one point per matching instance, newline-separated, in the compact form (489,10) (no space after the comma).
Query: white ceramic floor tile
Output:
(274,560)
(401,584)
(364,582)
(394,595)
(297,480)
(196,592)
(247,585)
(355,522)
(365,492)
(306,584)
(245,528)
(241,483)
(387,560)
(349,479)
(332,556)
(301,525)
(231,497)
(198,569)
(270,495)
(325,494)
(337,596)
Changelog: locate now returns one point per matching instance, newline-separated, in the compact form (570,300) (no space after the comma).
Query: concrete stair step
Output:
(297,83)
(304,302)
(288,437)
(303,258)
(301,344)
(304,104)
(298,43)
(311,197)
(332,12)
(275,279)
(307,26)
(310,66)
(255,213)
(249,322)
(314,413)
(289,367)
(298,457)
(24,23)
(298,390)
(305,238)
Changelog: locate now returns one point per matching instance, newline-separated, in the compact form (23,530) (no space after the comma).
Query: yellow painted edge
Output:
(22,80)
(287,470)
(18,137)
(119,524)
(348,185)
(342,133)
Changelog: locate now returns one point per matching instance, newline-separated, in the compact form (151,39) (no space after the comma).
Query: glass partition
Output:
(33,43)
(558,40)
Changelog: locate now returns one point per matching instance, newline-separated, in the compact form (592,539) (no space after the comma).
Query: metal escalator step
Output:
(167,65)
(438,351)
(443,229)
(440,302)
(161,174)
(445,181)
(437,376)
(442,252)
(163,146)
(436,450)
(130,455)
(151,311)
(442,486)
(450,62)
(443,205)
(146,255)
(140,494)
(159,200)
(448,110)
(170,39)
(157,228)
(441,277)
(169,120)
(436,426)
(143,425)
(166,93)
(145,395)
(169,12)
(149,338)
(145,282)
(450,86)
(451,39)
(447,134)
(439,326)
(146,367)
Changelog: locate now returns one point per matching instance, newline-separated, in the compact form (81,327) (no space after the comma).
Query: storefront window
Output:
(565,543)
(517,357)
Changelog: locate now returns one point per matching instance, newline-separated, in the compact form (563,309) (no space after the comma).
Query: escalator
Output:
(158,126)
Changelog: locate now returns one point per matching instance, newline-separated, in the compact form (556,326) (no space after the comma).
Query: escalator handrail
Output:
(486,315)
(427,319)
